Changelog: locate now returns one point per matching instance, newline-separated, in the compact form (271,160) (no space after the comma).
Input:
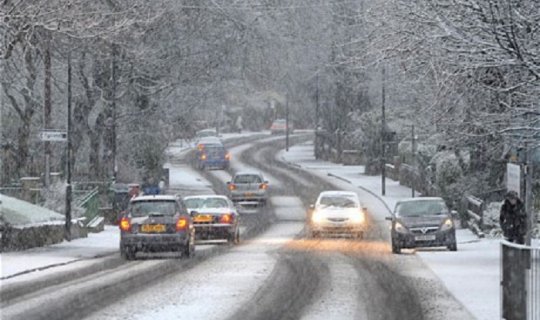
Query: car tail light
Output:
(181,224)
(226,218)
(263,186)
(203,156)
(125,224)
(232,187)
(228,156)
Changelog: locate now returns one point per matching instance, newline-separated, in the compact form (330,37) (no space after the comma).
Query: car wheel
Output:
(452,246)
(234,238)
(127,253)
(189,250)
(395,247)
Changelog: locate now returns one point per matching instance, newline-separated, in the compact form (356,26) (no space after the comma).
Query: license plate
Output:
(425,238)
(206,218)
(248,194)
(153,228)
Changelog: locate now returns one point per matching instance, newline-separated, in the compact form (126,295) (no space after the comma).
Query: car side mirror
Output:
(312,206)
(193,213)
(388,218)
(266,181)
(454,214)
(228,182)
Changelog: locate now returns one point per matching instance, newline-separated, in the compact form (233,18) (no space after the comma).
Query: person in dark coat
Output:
(513,218)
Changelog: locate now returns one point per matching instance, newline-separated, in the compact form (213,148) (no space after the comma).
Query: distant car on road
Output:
(214,217)
(422,222)
(205,133)
(337,213)
(156,223)
(279,126)
(248,187)
(212,154)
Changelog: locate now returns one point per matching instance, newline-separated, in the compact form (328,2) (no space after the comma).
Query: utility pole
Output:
(383,133)
(47,106)
(67,233)
(287,121)
(528,193)
(113,107)
(413,146)
(317,119)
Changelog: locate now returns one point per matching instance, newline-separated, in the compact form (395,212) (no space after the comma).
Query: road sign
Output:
(513,178)
(53,135)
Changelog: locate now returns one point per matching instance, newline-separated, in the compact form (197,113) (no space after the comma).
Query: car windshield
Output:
(155,208)
(421,208)
(337,201)
(247,178)
(204,203)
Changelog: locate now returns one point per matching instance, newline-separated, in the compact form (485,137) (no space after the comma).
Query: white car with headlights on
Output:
(337,213)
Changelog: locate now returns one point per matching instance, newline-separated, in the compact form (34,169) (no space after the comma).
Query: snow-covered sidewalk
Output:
(472,274)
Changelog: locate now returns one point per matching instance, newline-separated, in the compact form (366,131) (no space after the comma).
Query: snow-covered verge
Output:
(472,274)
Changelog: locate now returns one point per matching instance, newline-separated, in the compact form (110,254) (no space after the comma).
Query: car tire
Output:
(188,250)
(395,247)
(234,238)
(127,253)
(452,246)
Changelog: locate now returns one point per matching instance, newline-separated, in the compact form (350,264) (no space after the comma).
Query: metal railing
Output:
(520,282)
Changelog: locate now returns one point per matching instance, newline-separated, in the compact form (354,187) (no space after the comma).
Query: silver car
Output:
(214,217)
(337,213)
(422,222)
(156,223)
(248,188)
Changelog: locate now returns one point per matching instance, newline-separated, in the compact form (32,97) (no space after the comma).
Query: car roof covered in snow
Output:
(155,198)
(241,173)
(421,199)
(338,193)
(206,196)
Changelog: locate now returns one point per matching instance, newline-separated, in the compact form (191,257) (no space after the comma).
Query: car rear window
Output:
(247,178)
(421,208)
(153,207)
(204,203)
(338,201)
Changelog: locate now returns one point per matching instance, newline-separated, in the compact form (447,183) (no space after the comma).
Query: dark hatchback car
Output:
(154,224)
(422,222)
(212,154)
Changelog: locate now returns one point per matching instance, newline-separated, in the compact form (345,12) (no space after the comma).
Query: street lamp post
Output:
(67,231)
(287,121)
(383,129)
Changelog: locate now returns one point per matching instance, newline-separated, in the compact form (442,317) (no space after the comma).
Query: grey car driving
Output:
(422,222)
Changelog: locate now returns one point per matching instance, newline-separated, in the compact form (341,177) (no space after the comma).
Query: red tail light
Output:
(181,224)
(232,187)
(125,224)
(263,186)
(203,156)
(228,156)
(226,218)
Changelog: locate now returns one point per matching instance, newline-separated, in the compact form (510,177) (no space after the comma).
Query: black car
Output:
(156,223)
(422,222)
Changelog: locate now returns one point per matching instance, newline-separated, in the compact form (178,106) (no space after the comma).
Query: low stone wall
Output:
(15,238)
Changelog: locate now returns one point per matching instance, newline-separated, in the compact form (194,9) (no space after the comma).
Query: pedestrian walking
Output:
(513,218)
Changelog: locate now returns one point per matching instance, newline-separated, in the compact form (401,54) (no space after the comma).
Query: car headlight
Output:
(317,217)
(398,227)
(447,225)
(359,218)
